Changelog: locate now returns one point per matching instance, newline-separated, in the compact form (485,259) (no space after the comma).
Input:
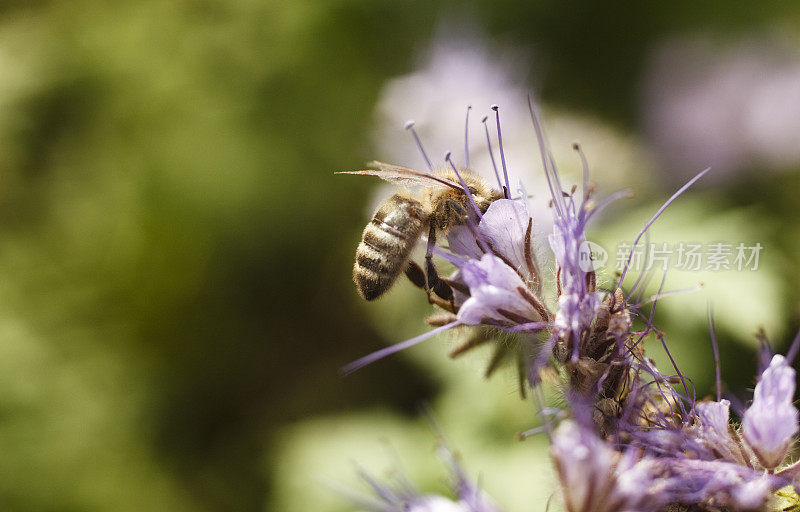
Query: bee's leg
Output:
(435,284)
(416,275)
(445,305)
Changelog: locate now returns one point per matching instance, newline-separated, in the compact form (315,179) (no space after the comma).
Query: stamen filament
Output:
(715,350)
(491,153)
(658,214)
(410,126)
(466,138)
(397,347)
(502,153)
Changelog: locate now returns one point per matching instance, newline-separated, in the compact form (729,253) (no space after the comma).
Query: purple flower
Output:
(596,478)
(499,269)
(578,302)
(506,230)
(770,423)
(713,431)
(694,84)
(714,416)
(703,462)
(498,295)
(717,484)
(635,443)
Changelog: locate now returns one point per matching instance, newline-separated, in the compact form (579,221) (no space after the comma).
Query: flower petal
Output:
(504,226)
(596,478)
(494,294)
(713,430)
(461,241)
(770,423)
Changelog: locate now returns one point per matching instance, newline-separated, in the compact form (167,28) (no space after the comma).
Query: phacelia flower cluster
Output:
(631,438)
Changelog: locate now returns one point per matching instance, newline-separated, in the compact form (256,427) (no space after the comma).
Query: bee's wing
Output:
(404,176)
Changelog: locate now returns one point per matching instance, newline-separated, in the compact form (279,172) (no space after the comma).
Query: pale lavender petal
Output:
(714,415)
(490,270)
(494,290)
(713,430)
(584,464)
(770,423)
(557,245)
(503,227)
(638,488)
(458,297)
(461,241)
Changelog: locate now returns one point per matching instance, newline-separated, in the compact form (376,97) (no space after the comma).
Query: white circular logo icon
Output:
(591,256)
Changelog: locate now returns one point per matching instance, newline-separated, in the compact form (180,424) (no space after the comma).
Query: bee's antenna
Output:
(466,138)
(449,160)
(410,126)
(502,154)
(491,153)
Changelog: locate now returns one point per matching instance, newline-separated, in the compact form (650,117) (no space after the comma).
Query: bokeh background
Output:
(175,251)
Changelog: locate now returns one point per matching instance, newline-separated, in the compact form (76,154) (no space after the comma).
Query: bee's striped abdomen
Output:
(386,244)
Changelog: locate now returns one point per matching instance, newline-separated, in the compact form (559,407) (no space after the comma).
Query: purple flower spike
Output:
(578,303)
(770,423)
(498,295)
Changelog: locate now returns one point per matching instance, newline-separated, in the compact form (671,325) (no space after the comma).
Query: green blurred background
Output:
(175,252)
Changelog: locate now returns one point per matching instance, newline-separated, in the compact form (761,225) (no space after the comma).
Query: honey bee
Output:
(399,222)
